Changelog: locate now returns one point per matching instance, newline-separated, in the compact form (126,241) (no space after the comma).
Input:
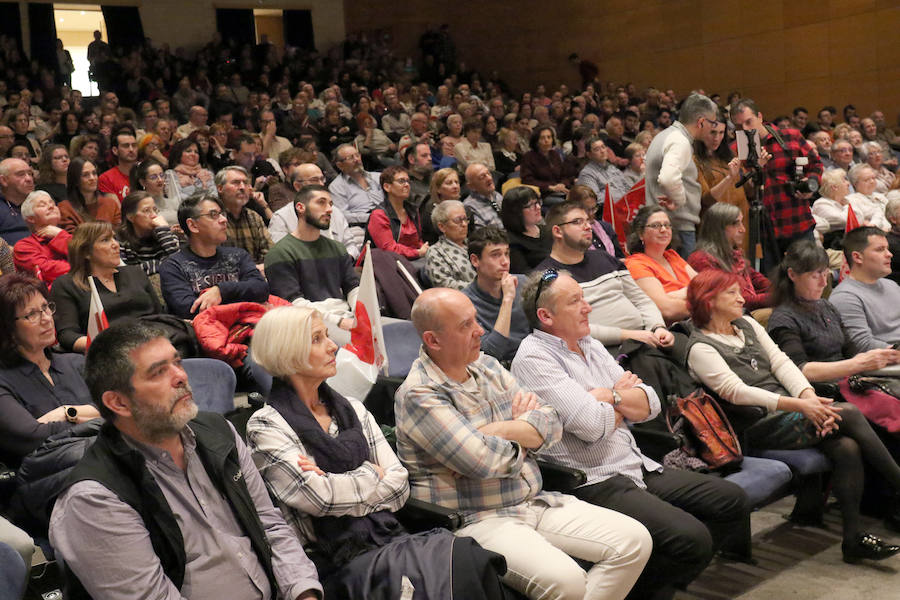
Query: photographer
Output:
(786,195)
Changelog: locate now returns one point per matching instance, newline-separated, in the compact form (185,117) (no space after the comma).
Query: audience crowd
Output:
(195,189)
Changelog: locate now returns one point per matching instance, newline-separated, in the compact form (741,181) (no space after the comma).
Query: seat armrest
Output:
(418,515)
(655,443)
(558,478)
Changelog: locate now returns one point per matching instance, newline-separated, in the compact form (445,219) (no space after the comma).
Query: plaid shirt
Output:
(302,495)
(791,216)
(249,231)
(453,464)
(484,211)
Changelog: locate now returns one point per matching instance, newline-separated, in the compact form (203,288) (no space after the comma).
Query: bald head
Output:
(429,311)
(479,180)
(307,174)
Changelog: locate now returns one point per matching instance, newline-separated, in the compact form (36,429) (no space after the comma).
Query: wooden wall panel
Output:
(782,52)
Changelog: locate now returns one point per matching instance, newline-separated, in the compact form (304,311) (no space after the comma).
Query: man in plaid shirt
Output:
(789,211)
(466,433)
(246,229)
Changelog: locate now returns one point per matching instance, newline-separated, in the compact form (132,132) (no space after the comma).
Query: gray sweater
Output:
(871,312)
(670,171)
(487,308)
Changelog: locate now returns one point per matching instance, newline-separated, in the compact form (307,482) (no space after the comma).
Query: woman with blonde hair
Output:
(444,186)
(125,291)
(337,482)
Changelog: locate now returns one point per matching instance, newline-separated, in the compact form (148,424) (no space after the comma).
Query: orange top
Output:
(640,265)
(106,208)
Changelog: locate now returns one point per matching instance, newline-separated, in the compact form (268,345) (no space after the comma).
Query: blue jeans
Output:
(688,243)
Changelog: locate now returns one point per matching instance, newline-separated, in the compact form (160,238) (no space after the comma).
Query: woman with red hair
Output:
(732,355)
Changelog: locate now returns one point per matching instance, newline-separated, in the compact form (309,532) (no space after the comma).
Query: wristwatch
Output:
(71,414)
(617,398)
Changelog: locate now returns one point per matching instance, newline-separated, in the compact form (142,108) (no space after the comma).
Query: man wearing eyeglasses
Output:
(206,273)
(621,310)
(285,219)
(688,514)
(356,192)
(670,172)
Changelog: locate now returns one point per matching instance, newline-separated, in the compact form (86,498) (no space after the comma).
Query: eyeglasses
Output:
(579,222)
(658,226)
(548,276)
(312,180)
(213,214)
(155,177)
(34,316)
(459,220)
(402,181)
(532,204)
(152,210)
(712,122)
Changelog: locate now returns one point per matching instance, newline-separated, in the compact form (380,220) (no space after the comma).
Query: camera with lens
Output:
(799,183)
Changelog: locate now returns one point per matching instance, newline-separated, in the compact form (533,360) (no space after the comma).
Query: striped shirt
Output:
(562,378)
(453,464)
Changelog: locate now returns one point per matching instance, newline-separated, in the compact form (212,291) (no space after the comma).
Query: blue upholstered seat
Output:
(213,383)
(763,479)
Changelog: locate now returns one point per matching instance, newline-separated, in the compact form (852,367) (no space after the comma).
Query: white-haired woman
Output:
(44,253)
(830,211)
(868,205)
(447,261)
(873,154)
(336,479)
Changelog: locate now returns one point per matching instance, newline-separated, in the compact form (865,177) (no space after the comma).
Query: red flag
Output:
(621,212)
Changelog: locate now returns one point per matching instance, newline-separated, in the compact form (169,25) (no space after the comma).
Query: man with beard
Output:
(125,150)
(308,268)
(284,221)
(417,159)
(156,458)
(621,310)
(246,229)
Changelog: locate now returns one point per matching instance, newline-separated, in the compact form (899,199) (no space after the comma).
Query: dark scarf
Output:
(339,538)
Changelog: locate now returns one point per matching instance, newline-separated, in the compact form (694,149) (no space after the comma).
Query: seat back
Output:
(213,383)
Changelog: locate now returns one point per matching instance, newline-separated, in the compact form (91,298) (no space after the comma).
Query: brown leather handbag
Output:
(709,434)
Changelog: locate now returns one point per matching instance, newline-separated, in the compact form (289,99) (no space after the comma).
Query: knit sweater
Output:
(869,312)
(319,274)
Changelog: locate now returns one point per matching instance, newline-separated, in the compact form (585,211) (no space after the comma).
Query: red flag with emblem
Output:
(620,213)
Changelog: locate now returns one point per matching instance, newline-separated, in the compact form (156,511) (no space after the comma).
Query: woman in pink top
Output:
(655,266)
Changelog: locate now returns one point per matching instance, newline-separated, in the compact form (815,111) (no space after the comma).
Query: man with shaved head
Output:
(467,433)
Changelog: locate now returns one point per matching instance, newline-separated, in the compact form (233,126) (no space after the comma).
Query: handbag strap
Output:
(693,400)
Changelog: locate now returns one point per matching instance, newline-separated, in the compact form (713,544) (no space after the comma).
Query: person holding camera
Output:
(788,183)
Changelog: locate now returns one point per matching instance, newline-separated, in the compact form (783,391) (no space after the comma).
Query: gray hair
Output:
(337,151)
(531,303)
(867,147)
(696,106)
(441,212)
(892,209)
(856,172)
(27,207)
(830,180)
(223,173)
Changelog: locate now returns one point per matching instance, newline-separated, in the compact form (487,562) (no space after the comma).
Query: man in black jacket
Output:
(155,458)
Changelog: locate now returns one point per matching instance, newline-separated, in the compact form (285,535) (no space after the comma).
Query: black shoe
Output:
(867,546)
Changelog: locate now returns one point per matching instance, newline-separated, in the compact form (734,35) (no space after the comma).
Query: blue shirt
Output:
(12,225)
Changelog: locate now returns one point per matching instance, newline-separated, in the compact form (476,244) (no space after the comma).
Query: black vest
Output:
(121,469)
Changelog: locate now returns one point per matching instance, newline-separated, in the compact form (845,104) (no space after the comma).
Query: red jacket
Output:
(46,259)
(224,331)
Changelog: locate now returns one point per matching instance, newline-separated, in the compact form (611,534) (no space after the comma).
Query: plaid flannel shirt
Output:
(791,216)
(453,464)
(303,495)
(249,231)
